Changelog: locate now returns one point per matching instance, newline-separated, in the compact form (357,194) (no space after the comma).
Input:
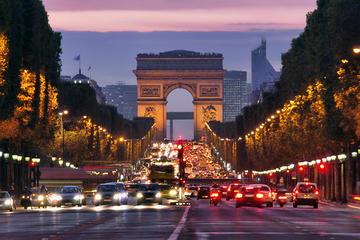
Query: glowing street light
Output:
(356,49)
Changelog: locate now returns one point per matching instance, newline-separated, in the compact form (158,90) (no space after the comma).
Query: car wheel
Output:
(25,207)
(215,204)
(58,205)
(227,199)
(294,205)
(316,205)
(281,205)
(269,204)
(97,204)
(238,205)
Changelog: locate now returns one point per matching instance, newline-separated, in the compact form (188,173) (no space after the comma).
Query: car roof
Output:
(306,183)
(4,192)
(258,185)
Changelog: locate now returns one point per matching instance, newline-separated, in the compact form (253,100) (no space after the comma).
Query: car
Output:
(232,190)
(132,189)
(306,193)
(149,193)
(191,191)
(112,193)
(67,195)
(254,195)
(168,191)
(203,192)
(6,201)
(223,190)
(39,197)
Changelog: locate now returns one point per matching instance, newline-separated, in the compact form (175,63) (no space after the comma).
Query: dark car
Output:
(112,193)
(232,190)
(203,192)
(149,193)
(254,195)
(132,189)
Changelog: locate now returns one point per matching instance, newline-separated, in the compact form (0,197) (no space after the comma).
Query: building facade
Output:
(123,97)
(82,79)
(235,93)
(262,72)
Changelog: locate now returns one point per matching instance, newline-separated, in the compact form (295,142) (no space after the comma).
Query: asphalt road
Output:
(200,221)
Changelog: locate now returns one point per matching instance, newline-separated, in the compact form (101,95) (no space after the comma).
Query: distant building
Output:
(82,79)
(235,93)
(262,72)
(123,97)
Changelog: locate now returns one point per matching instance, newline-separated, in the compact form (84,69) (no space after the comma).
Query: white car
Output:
(6,202)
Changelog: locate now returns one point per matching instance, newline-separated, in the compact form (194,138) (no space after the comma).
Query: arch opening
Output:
(180,104)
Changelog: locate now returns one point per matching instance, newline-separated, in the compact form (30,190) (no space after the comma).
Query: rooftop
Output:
(180,54)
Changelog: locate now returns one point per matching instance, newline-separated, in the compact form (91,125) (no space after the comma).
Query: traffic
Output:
(163,179)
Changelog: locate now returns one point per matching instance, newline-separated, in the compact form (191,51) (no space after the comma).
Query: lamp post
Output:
(356,49)
(63,113)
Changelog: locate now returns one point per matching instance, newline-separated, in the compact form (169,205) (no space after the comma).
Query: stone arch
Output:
(201,74)
(168,88)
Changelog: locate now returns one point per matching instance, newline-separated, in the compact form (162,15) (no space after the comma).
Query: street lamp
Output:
(65,112)
(356,49)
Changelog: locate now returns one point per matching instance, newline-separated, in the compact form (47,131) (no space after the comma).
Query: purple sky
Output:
(177,15)
(108,34)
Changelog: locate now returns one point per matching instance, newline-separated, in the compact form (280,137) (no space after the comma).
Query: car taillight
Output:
(229,189)
(214,195)
(317,193)
(296,191)
(239,195)
(269,194)
(259,195)
(356,198)
(236,190)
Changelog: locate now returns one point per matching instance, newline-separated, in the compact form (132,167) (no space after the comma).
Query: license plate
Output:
(148,198)
(307,196)
(249,195)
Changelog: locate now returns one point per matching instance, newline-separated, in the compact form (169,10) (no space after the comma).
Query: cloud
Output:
(176,20)
(86,5)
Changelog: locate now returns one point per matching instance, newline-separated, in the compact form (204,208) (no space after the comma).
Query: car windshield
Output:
(106,188)
(69,190)
(149,187)
(306,188)
(204,188)
(4,195)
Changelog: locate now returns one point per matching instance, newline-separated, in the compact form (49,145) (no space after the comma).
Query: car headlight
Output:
(8,202)
(40,197)
(173,192)
(98,197)
(123,195)
(158,195)
(78,197)
(55,197)
(139,195)
(117,196)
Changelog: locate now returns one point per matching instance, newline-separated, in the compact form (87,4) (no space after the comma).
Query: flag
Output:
(77,58)
(89,68)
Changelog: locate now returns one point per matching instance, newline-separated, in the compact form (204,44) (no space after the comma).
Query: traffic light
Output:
(301,168)
(271,174)
(32,164)
(180,149)
(322,166)
(287,171)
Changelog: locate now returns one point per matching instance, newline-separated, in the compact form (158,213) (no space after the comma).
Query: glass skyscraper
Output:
(235,93)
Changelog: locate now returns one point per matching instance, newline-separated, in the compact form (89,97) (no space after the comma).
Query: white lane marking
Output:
(179,227)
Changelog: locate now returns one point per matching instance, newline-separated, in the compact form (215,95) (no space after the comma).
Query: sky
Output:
(108,34)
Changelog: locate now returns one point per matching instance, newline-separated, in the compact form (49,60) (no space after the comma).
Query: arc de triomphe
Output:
(200,74)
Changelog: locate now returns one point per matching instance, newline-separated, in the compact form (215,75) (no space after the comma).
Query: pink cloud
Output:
(170,15)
